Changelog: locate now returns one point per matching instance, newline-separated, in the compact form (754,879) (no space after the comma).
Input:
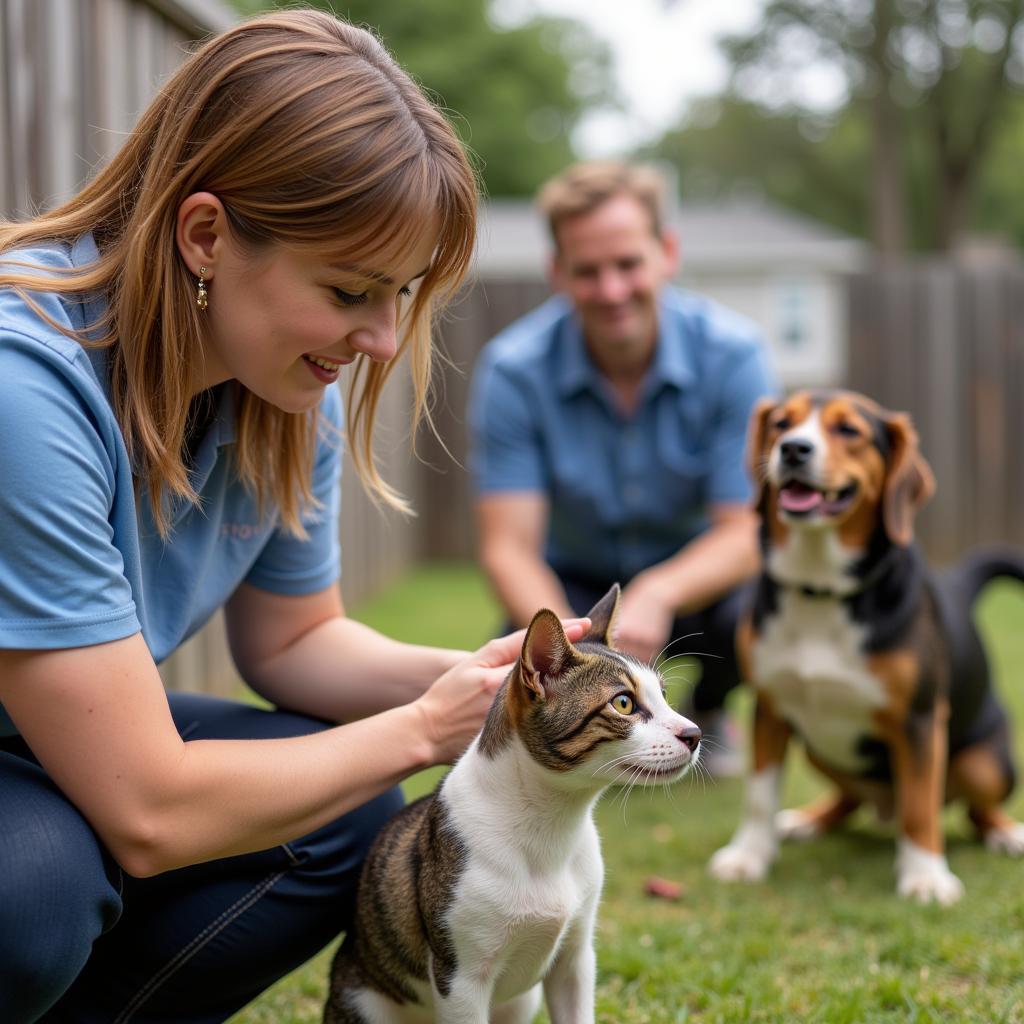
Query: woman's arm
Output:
(98,720)
(304,654)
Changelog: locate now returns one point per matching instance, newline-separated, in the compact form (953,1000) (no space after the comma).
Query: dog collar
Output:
(877,571)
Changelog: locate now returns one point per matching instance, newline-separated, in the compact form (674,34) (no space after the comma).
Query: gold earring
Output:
(201,296)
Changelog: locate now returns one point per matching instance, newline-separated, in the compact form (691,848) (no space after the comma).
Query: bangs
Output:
(378,227)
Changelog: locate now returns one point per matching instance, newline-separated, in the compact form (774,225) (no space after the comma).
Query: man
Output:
(608,429)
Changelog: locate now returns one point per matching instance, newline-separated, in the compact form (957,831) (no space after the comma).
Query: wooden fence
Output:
(946,344)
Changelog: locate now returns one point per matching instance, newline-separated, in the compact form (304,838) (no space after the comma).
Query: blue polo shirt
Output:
(81,561)
(625,492)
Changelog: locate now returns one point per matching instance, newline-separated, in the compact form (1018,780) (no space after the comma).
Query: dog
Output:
(857,649)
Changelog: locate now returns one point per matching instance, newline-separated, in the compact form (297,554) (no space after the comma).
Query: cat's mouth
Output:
(659,773)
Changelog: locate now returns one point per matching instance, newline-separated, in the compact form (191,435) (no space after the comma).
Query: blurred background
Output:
(845,172)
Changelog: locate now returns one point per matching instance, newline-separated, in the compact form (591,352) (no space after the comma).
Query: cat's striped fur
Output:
(476,898)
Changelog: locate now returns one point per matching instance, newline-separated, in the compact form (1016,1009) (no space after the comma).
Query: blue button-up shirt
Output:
(625,492)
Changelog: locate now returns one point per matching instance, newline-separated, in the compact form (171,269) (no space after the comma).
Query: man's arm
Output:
(512,526)
(722,557)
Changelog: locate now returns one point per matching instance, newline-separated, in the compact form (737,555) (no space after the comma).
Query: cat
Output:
(474,899)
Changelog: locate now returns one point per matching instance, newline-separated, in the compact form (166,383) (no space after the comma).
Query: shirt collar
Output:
(673,358)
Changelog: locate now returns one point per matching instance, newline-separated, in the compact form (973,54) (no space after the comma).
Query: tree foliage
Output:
(924,87)
(514,94)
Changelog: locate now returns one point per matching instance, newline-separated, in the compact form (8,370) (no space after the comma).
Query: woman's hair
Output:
(312,137)
(585,186)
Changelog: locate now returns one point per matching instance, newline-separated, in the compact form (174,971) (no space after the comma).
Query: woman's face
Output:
(283,324)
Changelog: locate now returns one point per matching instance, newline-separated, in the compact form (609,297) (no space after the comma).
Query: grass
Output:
(823,941)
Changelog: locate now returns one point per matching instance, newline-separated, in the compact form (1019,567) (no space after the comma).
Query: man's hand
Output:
(643,624)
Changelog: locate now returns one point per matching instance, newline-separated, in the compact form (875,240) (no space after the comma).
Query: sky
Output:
(664,53)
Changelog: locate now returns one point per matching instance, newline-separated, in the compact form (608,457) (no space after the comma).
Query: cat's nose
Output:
(689,735)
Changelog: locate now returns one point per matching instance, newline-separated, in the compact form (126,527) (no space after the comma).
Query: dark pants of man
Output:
(81,942)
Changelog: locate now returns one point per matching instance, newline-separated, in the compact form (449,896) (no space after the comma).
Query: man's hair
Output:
(314,139)
(585,186)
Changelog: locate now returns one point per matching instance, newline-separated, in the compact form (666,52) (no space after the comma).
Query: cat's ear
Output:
(602,617)
(546,651)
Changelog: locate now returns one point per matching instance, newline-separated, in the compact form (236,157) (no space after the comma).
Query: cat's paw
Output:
(746,859)
(1008,839)
(925,876)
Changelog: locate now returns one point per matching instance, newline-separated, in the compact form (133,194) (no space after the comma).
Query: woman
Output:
(169,444)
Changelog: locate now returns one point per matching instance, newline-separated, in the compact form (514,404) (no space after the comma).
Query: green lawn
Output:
(824,940)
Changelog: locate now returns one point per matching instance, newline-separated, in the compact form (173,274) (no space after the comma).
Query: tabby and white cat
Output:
(475,898)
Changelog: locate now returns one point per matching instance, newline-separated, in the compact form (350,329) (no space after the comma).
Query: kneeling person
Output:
(608,431)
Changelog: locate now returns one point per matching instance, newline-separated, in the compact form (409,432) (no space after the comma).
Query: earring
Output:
(201,295)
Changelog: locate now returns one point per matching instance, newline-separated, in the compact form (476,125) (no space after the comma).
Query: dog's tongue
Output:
(796,497)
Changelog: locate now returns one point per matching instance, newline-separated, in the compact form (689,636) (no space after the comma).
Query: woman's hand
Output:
(454,708)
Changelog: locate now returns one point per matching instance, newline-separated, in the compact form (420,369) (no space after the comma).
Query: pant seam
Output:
(187,952)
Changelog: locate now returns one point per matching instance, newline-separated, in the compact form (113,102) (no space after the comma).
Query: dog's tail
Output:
(982,565)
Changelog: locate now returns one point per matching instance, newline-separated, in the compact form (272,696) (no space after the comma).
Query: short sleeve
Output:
(62,578)
(505,445)
(748,379)
(292,565)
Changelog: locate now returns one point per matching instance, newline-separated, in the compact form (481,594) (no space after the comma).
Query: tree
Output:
(729,146)
(932,74)
(514,94)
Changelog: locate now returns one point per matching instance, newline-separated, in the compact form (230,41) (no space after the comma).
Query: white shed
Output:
(782,270)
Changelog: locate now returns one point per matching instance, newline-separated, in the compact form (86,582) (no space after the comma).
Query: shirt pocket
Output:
(684,475)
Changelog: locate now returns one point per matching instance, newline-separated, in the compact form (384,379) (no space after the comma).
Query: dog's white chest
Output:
(809,660)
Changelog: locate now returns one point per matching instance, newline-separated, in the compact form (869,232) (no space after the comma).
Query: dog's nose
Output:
(689,736)
(795,453)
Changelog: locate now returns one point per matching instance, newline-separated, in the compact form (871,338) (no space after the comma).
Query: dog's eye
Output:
(846,429)
(782,423)
(623,703)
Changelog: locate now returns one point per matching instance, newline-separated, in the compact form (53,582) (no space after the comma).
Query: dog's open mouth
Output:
(800,499)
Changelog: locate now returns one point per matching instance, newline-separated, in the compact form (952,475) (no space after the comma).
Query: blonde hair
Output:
(313,138)
(584,186)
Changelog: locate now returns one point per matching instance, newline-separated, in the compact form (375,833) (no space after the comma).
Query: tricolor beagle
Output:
(856,648)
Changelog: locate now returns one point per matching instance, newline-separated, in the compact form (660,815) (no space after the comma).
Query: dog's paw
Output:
(793,825)
(1008,839)
(746,859)
(925,876)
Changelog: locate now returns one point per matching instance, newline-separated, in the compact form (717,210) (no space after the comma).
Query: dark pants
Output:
(82,942)
(709,635)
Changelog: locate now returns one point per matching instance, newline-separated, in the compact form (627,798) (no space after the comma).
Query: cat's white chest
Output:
(514,923)
(523,886)
(809,661)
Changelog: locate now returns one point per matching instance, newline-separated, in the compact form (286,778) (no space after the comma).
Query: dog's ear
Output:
(757,457)
(909,481)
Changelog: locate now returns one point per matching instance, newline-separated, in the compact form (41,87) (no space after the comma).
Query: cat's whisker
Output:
(691,654)
(608,764)
(628,788)
(678,639)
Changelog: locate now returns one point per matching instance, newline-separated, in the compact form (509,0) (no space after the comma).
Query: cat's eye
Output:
(623,703)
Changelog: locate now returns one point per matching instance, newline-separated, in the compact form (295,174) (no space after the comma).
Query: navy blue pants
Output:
(82,942)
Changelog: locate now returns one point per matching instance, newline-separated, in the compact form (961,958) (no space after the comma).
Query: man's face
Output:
(612,265)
